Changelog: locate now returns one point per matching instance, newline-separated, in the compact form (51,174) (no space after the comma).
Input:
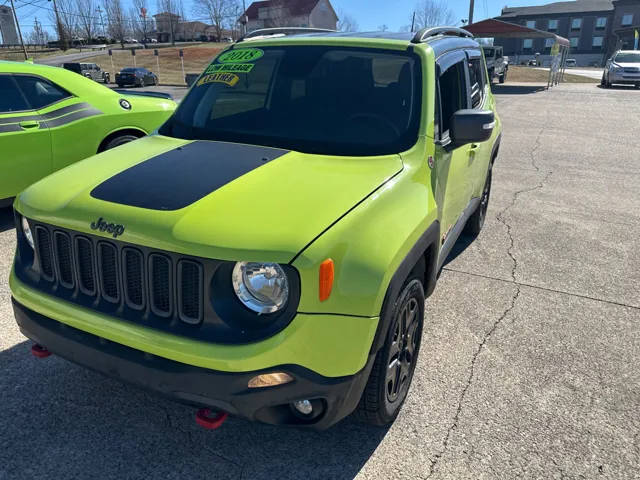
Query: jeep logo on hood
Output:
(103,226)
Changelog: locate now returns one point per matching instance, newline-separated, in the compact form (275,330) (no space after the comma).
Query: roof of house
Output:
(296,7)
(578,6)
(166,14)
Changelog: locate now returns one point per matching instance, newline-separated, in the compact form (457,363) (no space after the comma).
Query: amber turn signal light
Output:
(326,279)
(270,380)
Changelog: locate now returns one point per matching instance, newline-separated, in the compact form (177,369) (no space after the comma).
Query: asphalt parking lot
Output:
(529,362)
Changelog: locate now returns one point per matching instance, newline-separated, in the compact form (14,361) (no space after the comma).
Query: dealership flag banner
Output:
(637,37)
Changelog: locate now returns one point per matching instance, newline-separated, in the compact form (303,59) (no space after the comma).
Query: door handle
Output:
(29,124)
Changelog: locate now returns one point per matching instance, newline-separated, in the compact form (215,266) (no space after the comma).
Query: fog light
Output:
(303,406)
(270,380)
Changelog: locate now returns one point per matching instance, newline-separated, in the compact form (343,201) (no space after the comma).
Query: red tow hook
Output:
(205,420)
(39,351)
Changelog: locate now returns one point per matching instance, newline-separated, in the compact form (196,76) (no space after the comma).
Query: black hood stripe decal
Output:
(180,177)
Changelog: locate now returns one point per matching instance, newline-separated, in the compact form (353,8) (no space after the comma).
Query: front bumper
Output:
(624,78)
(198,386)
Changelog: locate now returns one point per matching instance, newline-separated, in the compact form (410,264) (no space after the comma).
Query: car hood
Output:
(626,65)
(210,199)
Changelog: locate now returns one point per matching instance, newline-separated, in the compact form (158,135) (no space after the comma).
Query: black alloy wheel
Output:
(476,220)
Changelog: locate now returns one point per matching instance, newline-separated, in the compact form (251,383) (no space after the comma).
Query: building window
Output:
(548,42)
(597,42)
(531,24)
(601,22)
(576,24)
(627,19)
(553,24)
(574,42)
(527,44)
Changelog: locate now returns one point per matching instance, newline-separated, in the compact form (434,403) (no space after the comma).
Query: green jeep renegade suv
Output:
(269,251)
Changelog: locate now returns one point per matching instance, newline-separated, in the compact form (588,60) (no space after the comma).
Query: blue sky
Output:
(369,14)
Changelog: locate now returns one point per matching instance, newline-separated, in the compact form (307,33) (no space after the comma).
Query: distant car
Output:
(497,64)
(227,39)
(51,117)
(532,63)
(138,77)
(89,70)
(130,40)
(150,40)
(622,68)
(571,62)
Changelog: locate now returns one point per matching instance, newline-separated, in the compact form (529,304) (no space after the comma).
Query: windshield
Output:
(627,58)
(325,100)
(128,70)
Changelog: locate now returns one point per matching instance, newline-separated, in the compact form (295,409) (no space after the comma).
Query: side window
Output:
(453,94)
(476,77)
(40,92)
(11,99)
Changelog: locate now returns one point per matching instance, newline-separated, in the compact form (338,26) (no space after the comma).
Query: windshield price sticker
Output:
(241,55)
(226,78)
(232,68)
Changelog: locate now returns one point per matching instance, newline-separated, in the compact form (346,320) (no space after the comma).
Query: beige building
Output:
(290,13)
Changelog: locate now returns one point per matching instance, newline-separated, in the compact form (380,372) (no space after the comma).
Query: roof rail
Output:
(425,33)
(266,32)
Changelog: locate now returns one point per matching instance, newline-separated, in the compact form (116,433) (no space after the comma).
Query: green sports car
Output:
(51,117)
(268,253)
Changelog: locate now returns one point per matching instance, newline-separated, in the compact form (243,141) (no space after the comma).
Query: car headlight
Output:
(261,287)
(27,232)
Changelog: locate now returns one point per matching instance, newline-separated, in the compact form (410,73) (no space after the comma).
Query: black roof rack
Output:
(265,32)
(422,35)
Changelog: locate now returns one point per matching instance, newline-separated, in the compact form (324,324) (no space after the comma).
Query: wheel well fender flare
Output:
(138,132)
(422,261)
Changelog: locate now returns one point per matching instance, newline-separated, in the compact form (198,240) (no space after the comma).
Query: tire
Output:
(387,388)
(476,220)
(120,140)
(502,78)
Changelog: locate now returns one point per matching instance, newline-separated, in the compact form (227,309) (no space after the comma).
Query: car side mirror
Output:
(471,126)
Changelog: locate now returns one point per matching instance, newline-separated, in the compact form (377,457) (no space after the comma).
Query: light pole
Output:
(471,4)
(24,49)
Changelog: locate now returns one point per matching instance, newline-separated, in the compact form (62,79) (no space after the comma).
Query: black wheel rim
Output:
(402,353)
(484,201)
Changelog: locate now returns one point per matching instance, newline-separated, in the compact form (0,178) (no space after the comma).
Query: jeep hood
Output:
(211,199)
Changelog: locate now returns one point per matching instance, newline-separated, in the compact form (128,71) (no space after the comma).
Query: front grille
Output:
(632,70)
(113,276)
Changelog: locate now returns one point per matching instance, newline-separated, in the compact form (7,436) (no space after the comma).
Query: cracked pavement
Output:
(528,367)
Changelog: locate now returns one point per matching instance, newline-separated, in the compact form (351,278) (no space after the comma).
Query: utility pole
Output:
(413,21)
(24,49)
(471,4)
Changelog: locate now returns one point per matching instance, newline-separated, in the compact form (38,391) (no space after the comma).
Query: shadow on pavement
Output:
(464,241)
(6,219)
(502,89)
(70,422)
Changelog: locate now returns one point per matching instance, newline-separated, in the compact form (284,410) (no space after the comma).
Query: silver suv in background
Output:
(622,68)
(497,64)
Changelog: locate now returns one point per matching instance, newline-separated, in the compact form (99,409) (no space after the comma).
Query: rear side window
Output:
(476,77)
(453,94)
(40,92)
(11,99)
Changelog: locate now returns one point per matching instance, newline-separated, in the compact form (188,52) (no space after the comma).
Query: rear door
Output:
(70,119)
(25,152)
(453,165)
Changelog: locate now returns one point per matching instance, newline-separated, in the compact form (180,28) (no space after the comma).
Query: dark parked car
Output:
(89,70)
(139,77)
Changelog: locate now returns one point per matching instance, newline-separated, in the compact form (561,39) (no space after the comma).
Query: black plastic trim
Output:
(198,386)
(457,229)
(427,244)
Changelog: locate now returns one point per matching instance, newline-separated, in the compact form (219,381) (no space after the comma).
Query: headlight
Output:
(261,287)
(27,232)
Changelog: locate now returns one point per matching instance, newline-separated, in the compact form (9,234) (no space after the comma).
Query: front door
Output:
(453,165)
(25,155)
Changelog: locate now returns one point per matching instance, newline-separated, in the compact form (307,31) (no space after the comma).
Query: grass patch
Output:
(196,58)
(533,75)
(16,55)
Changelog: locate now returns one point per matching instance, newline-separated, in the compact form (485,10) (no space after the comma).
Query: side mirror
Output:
(471,126)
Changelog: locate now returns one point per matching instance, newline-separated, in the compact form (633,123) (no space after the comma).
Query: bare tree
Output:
(140,23)
(346,23)
(116,20)
(433,13)
(383,28)
(86,18)
(38,36)
(66,21)
(217,11)
(173,8)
